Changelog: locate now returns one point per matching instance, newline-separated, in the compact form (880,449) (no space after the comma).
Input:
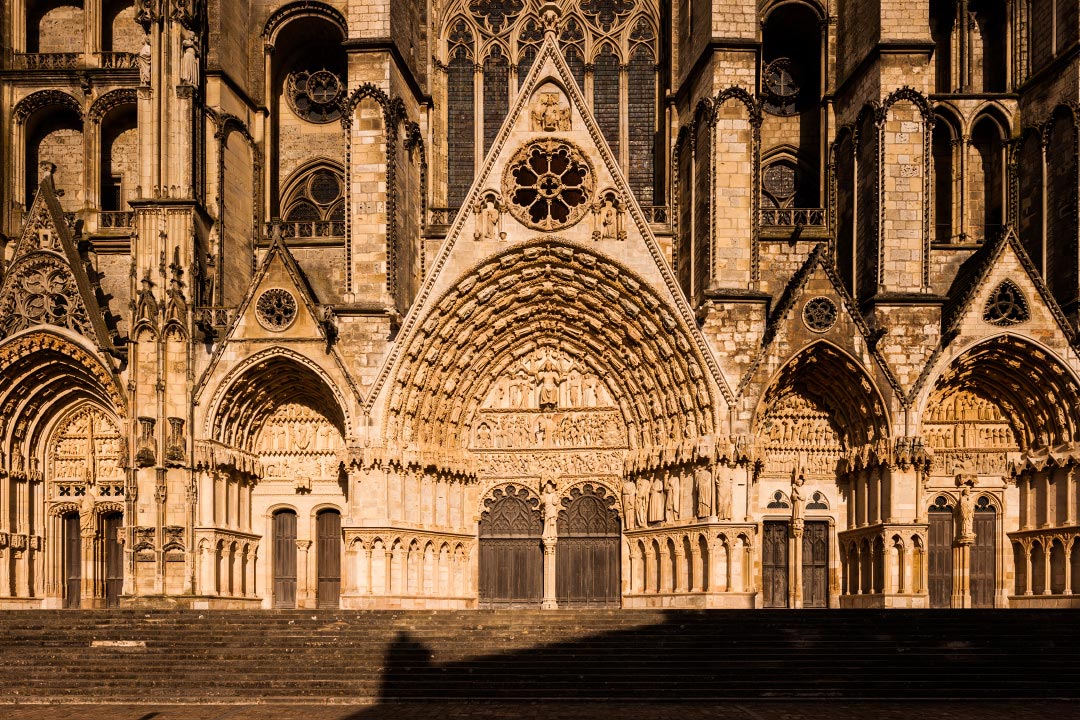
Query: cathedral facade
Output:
(510,303)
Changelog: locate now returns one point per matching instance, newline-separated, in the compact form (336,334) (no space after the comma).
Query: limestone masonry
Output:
(509,303)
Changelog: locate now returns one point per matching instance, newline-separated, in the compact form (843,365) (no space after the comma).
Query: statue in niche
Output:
(722,485)
(549,114)
(656,501)
(703,491)
(303,435)
(189,58)
(551,509)
(607,218)
(642,508)
(143,60)
(483,436)
(671,495)
(797,481)
(629,503)
(489,218)
(548,374)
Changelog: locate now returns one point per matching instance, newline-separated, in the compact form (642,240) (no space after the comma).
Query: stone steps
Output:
(587,655)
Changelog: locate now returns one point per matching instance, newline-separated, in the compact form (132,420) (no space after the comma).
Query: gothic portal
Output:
(509,303)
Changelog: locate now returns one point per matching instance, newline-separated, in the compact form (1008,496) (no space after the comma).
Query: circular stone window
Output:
(819,314)
(314,95)
(276,309)
(549,183)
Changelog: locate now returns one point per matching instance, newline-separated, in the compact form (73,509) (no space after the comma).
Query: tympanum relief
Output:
(797,434)
(969,432)
(548,415)
(87,456)
(298,444)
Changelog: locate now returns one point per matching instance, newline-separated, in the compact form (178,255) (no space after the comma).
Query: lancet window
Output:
(611,48)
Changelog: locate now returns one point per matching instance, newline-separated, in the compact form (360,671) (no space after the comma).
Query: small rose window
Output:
(549,183)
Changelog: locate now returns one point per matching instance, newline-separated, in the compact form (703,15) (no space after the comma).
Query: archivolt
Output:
(835,381)
(551,293)
(1038,394)
(265,382)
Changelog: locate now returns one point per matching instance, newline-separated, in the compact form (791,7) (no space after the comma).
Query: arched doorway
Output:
(284,559)
(511,551)
(328,558)
(984,555)
(587,559)
(941,536)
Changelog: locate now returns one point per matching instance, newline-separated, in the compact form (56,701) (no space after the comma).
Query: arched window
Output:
(986,179)
(942,146)
(611,50)
(55,26)
(313,204)
(970,55)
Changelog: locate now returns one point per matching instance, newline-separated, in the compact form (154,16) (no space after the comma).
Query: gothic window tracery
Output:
(549,183)
(493,44)
(1006,306)
(315,203)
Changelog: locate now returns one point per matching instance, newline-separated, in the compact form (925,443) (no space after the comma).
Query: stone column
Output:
(1071,479)
(1068,568)
(680,584)
(961,596)
(666,581)
(549,602)
(796,584)
(303,567)
(1029,568)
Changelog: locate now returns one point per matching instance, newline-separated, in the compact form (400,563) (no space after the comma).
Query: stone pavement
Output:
(807,710)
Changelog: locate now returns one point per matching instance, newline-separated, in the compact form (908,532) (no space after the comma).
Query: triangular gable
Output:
(483,228)
(818,269)
(46,282)
(289,315)
(1000,260)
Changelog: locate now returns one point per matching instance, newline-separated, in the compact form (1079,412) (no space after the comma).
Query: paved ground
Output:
(810,710)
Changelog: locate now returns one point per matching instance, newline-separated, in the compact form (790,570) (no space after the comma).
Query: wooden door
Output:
(587,558)
(114,558)
(329,558)
(285,559)
(511,550)
(815,564)
(983,556)
(940,541)
(774,565)
(72,561)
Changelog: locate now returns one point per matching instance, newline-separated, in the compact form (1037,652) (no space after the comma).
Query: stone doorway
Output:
(587,558)
(774,564)
(285,559)
(511,549)
(941,535)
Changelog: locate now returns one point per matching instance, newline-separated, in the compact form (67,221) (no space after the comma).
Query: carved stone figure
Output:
(642,514)
(672,507)
(489,218)
(722,483)
(551,509)
(656,501)
(144,62)
(797,500)
(703,491)
(549,114)
(629,503)
(189,58)
(966,511)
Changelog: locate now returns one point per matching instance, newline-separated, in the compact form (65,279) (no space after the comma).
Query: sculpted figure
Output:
(609,220)
(629,503)
(671,493)
(703,491)
(966,510)
(722,484)
(144,61)
(551,509)
(642,515)
(797,495)
(656,501)
(189,59)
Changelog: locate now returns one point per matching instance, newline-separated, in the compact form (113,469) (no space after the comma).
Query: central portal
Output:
(549,427)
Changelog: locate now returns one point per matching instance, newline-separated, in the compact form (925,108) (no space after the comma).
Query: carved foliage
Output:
(511,511)
(41,290)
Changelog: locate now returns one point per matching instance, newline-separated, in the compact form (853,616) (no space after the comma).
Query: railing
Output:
(793,217)
(214,316)
(656,214)
(47,61)
(115,219)
(441,215)
(119,60)
(306,229)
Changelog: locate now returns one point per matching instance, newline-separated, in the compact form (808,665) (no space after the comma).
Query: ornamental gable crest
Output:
(46,282)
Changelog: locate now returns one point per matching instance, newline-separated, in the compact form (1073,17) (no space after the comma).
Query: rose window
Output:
(314,95)
(276,309)
(549,183)
(819,314)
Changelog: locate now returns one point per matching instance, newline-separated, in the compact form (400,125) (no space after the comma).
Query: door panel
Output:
(329,558)
(114,558)
(940,556)
(587,558)
(774,565)
(72,561)
(815,565)
(983,567)
(285,559)
(511,550)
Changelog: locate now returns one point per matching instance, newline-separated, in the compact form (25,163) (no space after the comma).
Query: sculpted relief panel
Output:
(548,415)
(299,443)
(87,451)
(969,434)
(795,433)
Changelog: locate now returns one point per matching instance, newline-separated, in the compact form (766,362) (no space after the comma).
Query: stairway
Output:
(135,656)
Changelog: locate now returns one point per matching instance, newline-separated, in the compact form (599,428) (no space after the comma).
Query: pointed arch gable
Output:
(301,9)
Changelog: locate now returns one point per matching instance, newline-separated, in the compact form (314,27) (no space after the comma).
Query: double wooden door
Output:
(776,564)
